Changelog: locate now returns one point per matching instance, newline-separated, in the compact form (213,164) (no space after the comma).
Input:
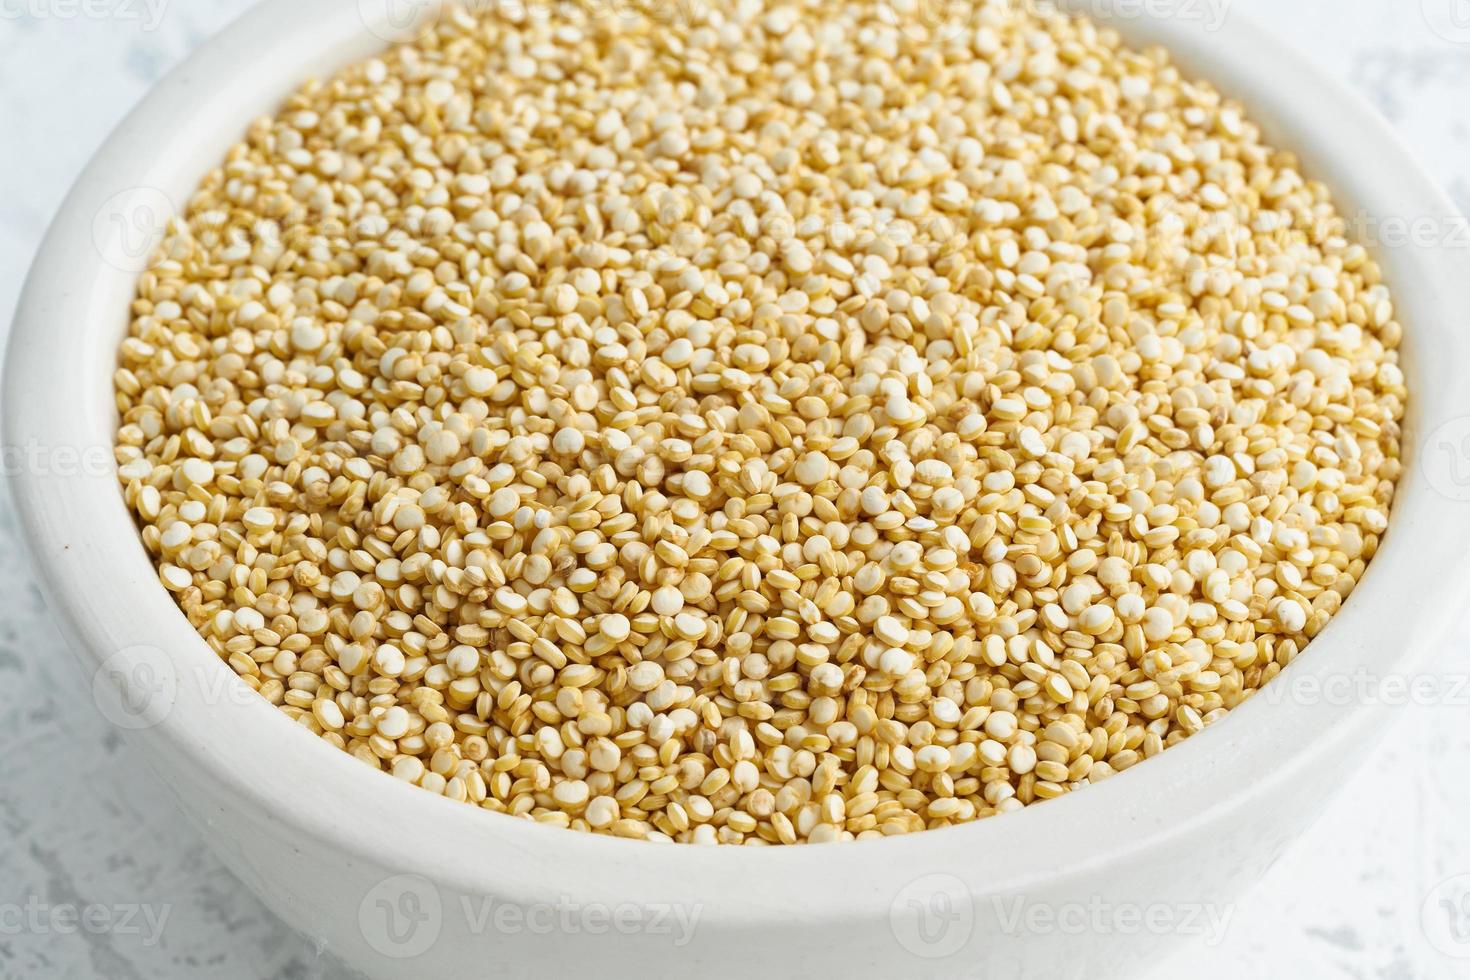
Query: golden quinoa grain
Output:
(780,428)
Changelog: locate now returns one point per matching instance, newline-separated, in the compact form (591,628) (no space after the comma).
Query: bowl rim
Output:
(244,749)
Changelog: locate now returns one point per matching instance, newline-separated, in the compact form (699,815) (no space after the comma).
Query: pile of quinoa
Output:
(781,422)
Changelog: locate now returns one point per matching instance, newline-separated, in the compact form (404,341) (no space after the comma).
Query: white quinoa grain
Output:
(797,429)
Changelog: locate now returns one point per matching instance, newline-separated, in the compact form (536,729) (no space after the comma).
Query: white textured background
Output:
(83,822)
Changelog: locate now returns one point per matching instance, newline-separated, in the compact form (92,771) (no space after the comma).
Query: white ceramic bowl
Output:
(403,883)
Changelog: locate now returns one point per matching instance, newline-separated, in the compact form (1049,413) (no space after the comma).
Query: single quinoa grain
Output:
(774,426)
